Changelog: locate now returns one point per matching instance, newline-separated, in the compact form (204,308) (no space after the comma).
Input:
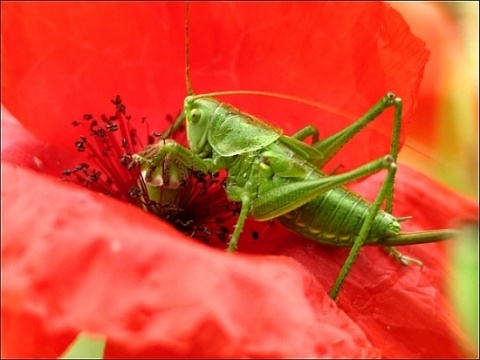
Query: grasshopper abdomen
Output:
(336,218)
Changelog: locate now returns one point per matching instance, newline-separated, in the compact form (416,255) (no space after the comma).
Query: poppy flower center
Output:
(196,205)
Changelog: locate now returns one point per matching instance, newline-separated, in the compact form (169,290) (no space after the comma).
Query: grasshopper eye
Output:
(195,115)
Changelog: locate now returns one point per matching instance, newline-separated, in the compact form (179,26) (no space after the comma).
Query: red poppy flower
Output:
(76,260)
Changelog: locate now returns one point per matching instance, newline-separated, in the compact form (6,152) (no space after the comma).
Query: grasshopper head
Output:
(198,112)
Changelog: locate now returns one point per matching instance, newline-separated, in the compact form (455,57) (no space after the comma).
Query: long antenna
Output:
(315,104)
(187,50)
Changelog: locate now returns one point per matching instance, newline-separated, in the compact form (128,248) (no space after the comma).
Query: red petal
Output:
(403,310)
(431,204)
(67,58)
(21,148)
(74,260)
(364,73)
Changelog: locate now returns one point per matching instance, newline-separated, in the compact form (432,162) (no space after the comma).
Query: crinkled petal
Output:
(199,314)
(403,310)
(344,55)
(430,204)
(77,261)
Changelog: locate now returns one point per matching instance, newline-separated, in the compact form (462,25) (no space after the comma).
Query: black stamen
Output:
(197,207)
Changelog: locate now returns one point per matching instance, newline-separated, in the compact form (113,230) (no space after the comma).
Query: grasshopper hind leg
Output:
(364,231)
(330,147)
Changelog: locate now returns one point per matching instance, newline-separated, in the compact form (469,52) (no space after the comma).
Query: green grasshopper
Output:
(275,176)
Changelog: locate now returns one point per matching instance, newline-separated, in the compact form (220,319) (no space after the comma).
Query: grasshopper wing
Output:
(232,132)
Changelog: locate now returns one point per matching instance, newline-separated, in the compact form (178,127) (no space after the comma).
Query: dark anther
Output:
(67,172)
(75,123)
(121,108)
(87,117)
(126,159)
(95,176)
(80,167)
(111,127)
(117,100)
(80,145)
(135,192)
(100,133)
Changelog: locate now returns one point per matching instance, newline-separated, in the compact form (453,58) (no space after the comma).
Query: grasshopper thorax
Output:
(198,112)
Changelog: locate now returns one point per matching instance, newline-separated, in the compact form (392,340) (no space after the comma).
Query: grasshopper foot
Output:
(404,260)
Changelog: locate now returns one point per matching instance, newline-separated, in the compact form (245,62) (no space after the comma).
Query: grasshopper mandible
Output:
(275,176)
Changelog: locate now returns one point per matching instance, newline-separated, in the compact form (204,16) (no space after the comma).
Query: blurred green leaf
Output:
(85,346)
(464,282)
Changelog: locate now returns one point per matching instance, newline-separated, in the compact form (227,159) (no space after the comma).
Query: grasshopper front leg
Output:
(154,155)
